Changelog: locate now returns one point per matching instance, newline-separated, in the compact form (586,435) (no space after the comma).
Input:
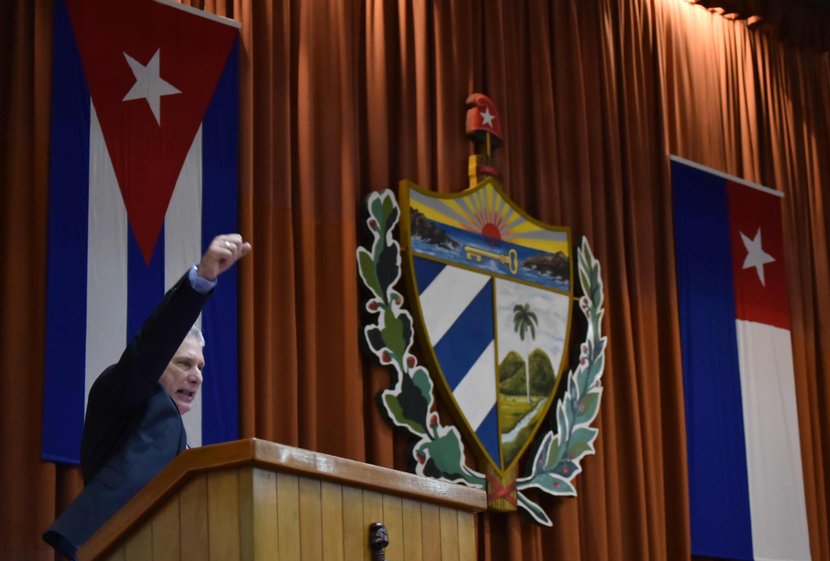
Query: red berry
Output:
(384,357)
(373,224)
(411,362)
(372,305)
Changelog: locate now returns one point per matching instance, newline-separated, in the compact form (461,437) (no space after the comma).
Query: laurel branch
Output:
(410,403)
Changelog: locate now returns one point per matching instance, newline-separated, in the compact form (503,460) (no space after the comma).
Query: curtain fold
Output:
(338,100)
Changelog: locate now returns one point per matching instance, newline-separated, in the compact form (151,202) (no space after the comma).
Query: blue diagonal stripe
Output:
(425,272)
(468,337)
(488,434)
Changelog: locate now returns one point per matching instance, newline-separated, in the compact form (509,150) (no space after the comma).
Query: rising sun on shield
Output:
(493,292)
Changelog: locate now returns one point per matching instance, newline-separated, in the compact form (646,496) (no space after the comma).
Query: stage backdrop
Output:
(143,175)
(339,99)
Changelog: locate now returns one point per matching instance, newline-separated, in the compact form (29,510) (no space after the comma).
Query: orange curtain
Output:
(339,99)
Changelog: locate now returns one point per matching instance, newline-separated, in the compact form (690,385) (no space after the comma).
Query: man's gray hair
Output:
(196,333)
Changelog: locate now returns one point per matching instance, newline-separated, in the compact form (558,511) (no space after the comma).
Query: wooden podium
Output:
(253,500)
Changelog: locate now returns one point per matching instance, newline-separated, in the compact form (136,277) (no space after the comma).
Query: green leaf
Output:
(414,404)
(555,485)
(376,208)
(573,390)
(406,331)
(445,451)
(555,453)
(366,267)
(422,381)
(540,459)
(534,510)
(583,380)
(390,207)
(431,470)
(595,368)
(397,414)
(581,442)
(393,333)
(566,469)
(562,425)
(583,281)
(587,408)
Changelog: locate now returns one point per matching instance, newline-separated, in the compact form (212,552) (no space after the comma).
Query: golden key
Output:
(477,254)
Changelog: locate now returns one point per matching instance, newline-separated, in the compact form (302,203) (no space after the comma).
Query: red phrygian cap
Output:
(482,118)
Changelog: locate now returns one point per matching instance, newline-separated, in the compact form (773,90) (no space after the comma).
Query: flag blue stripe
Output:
(488,434)
(220,391)
(66,285)
(425,272)
(464,342)
(145,283)
(718,485)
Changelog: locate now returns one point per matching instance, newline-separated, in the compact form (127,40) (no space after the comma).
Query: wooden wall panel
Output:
(223,515)
(193,517)
(393,520)
(354,534)
(431,531)
(466,536)
(311,520)
(412,532)
(139,546)
(372,512)
(449,534)
(288,516)
(116,555)
(332,522)
(258,515)
(166,532)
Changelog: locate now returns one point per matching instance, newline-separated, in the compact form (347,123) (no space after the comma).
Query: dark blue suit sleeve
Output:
(122,391)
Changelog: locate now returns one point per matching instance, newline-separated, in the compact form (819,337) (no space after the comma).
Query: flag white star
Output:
(756,256)
(487,117)
(148,84)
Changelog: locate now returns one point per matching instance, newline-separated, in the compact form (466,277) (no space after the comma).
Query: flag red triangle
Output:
(147,154)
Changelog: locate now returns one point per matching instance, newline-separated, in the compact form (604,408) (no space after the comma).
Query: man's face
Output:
(183,376)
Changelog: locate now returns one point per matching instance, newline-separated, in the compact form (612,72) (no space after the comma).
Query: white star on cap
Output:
(148,84)
(487,117)
(756,256)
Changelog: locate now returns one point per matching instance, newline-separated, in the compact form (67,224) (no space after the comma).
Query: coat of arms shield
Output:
(493,297)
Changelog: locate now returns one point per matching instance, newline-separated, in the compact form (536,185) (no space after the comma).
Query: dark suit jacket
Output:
(132,427)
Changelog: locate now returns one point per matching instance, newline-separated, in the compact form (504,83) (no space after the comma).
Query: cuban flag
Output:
(745,477)
(143,174)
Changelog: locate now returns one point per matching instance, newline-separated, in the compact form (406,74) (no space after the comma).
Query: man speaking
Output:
(133,425)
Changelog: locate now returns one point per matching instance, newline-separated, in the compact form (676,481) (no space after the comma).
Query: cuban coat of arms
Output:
(489,327)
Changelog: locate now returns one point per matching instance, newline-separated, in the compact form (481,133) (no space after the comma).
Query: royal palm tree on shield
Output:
(524,320)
